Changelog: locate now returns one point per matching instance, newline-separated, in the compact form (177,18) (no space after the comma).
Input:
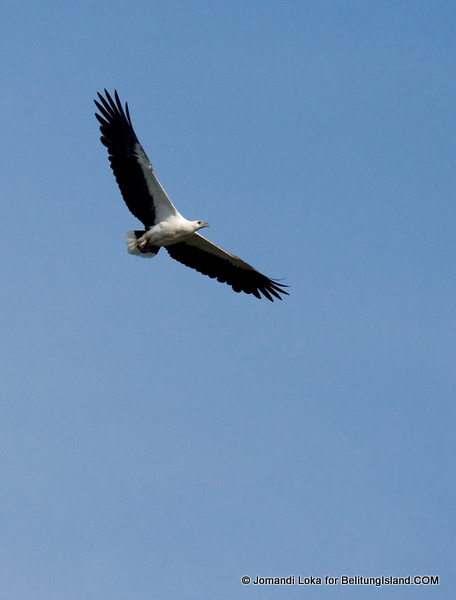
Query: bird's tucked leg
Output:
(142,248)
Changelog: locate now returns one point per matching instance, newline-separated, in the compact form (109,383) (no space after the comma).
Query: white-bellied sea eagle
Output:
(164,225)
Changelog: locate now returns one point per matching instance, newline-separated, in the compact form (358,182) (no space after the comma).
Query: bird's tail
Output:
(132,243)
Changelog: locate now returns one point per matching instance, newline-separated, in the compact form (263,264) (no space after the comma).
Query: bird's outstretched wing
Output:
(140,188)
(199,253)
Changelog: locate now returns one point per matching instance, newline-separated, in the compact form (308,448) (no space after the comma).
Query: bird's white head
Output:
(200,225)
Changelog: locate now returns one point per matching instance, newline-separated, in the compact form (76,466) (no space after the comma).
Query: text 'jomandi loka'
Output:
(291,580)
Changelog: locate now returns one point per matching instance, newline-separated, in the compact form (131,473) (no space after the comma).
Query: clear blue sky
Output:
(162,436)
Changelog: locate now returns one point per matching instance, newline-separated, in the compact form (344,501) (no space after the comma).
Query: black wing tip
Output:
(108,96)
(110,107)
(270,289)
(275,288)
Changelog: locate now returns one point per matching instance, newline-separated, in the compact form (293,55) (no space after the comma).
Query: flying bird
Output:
(163,224)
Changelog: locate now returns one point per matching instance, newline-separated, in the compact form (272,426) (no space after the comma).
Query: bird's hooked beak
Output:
(205,225)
